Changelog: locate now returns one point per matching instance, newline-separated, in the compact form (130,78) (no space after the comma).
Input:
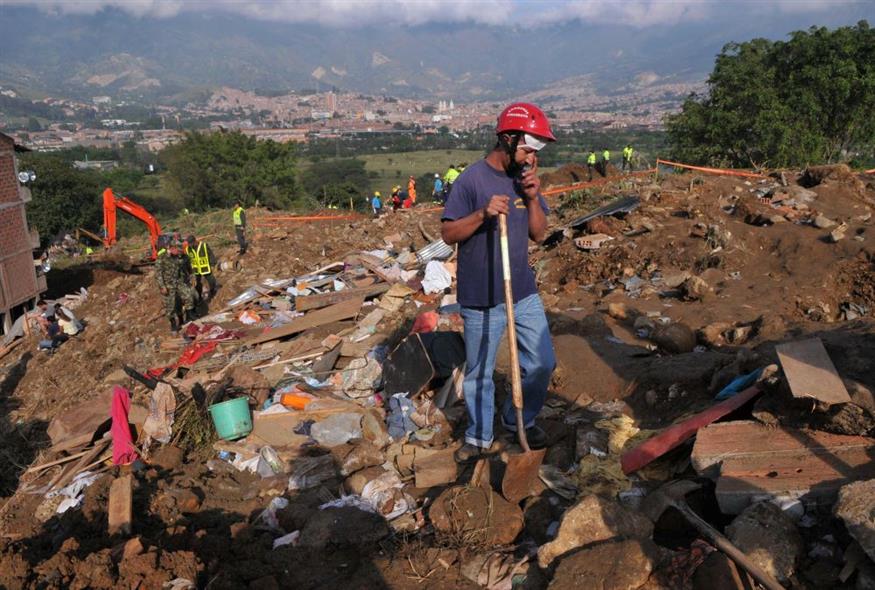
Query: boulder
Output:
(823,222)
(591,520)
(769,538)
(476,514)
(675,338)
(695,289)
(346,526)
(856,508)
(615,565)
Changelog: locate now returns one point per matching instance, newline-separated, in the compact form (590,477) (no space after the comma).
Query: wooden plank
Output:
(674,435)
(335,313)
(308,302)
(67,475)
(752,461)
(810,372)
(120,509)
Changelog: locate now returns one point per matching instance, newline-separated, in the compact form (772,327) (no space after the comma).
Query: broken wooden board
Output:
(675,434)
(810,372)
(752,461)
(120,509)
(335,313)
(308,302)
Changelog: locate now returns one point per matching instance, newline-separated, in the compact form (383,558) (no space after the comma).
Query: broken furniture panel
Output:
(752,461)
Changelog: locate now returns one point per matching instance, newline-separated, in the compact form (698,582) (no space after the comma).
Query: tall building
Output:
(19,284)
(331,102)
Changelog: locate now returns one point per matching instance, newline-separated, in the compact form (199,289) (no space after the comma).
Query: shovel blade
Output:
(521,475)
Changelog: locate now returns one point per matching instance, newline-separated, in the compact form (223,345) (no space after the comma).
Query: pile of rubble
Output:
(703,425)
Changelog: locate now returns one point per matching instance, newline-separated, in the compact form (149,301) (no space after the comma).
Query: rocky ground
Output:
(696,287)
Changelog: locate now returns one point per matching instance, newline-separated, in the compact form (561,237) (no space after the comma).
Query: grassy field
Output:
(394,168)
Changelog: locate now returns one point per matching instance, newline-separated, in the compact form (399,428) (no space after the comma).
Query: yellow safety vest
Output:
(451,175)
(591,159)
(200,259)
(627,152)
(236,214)
(606,155)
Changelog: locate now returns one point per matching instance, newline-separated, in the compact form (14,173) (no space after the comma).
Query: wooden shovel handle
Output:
(515,378)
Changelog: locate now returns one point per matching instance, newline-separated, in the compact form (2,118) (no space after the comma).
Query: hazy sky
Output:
(350,13)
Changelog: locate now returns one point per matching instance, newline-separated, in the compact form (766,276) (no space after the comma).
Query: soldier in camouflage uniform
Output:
(173,273)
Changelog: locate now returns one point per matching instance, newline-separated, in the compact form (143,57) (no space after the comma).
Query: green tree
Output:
(334,182)
(63,198)
(785,103)
(215,169)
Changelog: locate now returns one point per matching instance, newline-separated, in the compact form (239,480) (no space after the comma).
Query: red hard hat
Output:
(525,117)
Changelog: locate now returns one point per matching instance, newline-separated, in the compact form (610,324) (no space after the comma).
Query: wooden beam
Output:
(308,302)
(120,509)
(335,313)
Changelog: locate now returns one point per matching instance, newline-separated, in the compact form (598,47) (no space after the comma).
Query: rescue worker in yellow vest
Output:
(239,216)
(627,157)
(449,178)
(202,265)
(590,163)
(606,159)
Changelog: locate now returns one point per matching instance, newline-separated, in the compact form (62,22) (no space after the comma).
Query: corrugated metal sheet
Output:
(437,250)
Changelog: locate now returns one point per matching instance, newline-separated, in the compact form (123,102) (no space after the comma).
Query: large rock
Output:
(615,565)
(769,538)
(675,338)
(343,527)
(591,520)
(477,515)
(856,508)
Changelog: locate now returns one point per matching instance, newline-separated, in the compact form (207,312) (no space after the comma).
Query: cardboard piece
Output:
(810,372)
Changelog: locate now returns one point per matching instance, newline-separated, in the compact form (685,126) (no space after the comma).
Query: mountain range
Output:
(114,53)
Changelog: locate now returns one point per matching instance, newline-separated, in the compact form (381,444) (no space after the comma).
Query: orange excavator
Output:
(111,203)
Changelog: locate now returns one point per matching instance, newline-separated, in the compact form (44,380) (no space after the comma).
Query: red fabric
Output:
(194,352)
(425,322)
(123,450)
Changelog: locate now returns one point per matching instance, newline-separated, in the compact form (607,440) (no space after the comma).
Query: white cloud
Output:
(340,13)
(352,13)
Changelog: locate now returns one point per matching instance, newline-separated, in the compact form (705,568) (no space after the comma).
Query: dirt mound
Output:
(574,173)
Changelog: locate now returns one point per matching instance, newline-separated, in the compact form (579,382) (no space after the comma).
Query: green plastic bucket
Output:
(232,418)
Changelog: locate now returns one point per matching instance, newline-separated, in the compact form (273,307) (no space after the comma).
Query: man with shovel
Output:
(504,183)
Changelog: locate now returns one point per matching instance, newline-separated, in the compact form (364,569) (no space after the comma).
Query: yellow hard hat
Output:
(377,194)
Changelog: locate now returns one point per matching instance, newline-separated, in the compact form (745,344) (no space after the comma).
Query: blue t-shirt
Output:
(376,203)
(480,277)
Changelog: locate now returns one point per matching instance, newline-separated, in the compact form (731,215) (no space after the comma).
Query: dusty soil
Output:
(766,280)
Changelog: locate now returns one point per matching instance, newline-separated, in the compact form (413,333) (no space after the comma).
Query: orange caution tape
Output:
(279,219)
(582,185)
(721,171)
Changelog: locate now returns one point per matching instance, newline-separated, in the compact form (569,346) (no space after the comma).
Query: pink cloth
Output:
(123,451)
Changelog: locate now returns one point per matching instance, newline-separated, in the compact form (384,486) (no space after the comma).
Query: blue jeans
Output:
(484,327)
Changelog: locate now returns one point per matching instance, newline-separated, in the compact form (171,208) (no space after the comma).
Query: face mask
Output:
(533,143)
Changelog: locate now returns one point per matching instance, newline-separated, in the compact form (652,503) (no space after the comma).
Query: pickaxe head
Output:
(666,496)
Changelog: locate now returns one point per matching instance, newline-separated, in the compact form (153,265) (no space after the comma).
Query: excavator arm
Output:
(111,203)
